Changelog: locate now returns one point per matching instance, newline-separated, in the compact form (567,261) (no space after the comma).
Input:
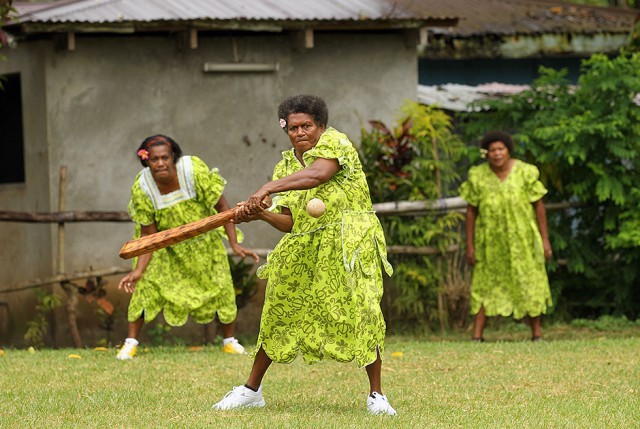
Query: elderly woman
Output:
(325,275)
(191,278)
(506,237)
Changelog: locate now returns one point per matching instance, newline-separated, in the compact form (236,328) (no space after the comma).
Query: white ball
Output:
(315,207)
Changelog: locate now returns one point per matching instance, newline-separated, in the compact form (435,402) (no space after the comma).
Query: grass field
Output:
(576,378)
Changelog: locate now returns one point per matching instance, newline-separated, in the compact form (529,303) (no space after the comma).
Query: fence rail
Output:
(64,217)
(401,208)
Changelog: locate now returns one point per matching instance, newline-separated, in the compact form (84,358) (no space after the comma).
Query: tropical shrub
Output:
(415,160)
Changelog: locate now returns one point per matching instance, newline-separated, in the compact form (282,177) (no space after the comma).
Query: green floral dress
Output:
(509,276)
(192,277)
(324,277)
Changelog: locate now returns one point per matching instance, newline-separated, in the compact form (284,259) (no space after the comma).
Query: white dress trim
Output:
(187,189)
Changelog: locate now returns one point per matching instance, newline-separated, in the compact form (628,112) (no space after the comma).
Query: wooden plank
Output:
(59,278)
(71,41)
(411,207)
(66,216)
(193,38)
(302,39)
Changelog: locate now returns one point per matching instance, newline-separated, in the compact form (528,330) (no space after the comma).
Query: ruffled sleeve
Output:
(140,206)
(209,183)
(334,145)
(534,188)
(469,190)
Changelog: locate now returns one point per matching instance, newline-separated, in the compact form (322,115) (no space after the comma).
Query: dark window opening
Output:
(515,71)
(11,133)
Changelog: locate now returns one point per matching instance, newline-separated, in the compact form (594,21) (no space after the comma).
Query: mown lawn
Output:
(577,378)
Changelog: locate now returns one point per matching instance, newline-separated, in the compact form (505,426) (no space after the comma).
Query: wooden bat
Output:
(165,238)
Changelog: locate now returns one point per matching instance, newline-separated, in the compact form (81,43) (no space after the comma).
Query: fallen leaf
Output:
(72,356)
(397,354)
(31,350)
(100,349)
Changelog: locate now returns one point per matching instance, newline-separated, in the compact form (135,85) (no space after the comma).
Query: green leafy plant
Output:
(37,327)
(7,12)
(160,334)
(605,323)
(415,160)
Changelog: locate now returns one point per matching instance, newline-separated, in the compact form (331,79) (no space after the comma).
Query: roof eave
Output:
(270,26)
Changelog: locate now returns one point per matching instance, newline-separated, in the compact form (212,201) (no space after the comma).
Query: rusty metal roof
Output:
(511,17)
(118,11)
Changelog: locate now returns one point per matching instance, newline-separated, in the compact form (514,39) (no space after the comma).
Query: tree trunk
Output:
(72,304)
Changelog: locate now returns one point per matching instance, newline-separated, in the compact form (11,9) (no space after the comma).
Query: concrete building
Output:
(90,79)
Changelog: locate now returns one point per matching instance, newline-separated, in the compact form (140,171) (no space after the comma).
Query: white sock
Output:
(227,340)
(131,341)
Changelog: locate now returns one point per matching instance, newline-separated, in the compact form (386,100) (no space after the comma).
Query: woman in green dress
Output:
(191,278)
(506,237)
(324,278)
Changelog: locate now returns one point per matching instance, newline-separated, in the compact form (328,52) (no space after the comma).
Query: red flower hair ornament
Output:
(143,154)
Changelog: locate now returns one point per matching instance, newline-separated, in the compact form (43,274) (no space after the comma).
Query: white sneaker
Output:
(240,397)
(128,350)
(234,347)
(379,405)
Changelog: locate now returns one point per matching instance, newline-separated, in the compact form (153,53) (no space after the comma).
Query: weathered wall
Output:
(522,46)
(26,249)
(103,98)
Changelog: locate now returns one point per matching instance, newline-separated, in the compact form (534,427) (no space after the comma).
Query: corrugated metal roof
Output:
(477,17)
(24,7)
(115,11)
(510,17)
(457,97)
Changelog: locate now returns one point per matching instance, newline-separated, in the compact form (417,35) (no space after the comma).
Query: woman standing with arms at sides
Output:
(324,278)
(506,237)
(191,278)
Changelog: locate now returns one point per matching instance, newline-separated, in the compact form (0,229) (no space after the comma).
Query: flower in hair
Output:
(143,154)
(283,123)
(483,153)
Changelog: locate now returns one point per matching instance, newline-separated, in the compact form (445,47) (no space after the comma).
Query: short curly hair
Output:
(497,136)
(304,103)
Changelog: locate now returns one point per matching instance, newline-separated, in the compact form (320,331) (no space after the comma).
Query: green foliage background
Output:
(414,160)
(586,141)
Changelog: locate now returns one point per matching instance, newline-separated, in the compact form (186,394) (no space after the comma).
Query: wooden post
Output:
(442,307)
(61,204)
(193,38)
(71,41)
(442,312)
(70,290)
(302,40)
